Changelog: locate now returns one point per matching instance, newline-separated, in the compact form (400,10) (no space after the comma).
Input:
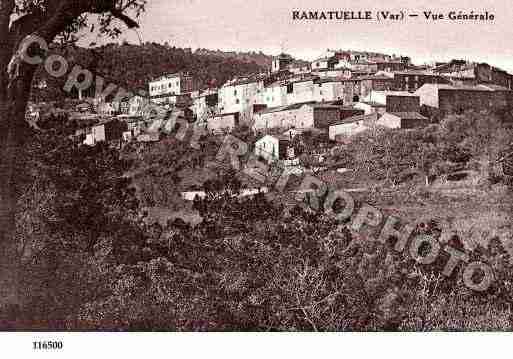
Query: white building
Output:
(305,115)
(370,107)
(274,95)
(166,88)
(328,89)
(107,108)
(240,96)
(351,126)
(292,116)
(327,62)
(299,70)
(402,120)
(273,148)
(337,72)
(221,123)
(381,96)
(281,62)
(205,104)
(137,105)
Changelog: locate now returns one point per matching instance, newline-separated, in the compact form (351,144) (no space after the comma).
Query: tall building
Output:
(281,62)
(166,88)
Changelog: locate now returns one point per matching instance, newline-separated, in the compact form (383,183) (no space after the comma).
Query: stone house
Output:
(273,148)
(240,96)
(107,131)
(301,115)
(220,123)
(405,120)
(448,99)
(351,126)
(413,80)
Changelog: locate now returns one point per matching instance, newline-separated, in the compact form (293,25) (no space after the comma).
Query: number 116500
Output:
(47,345)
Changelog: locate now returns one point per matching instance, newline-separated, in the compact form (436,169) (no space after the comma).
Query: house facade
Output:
(375,83)
(205,104)
(303,115)
(462,72)
(351,126)
(370,107)
(272,148)
(221,123)
(167,88)
(405,120)
(108,131)
(328,89)
(449,99)
(292,116)
(412,80)
(281,62)
(400,103)
(240,96)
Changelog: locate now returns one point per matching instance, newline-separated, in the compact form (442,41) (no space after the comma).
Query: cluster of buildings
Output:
(341,84)
(341,93)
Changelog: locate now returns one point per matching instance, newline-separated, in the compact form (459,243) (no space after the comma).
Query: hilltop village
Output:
(338,95)
(147,195)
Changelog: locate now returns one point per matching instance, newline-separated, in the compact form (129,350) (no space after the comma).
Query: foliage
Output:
(133,66)
(75,201)
(435,150)
(251,264)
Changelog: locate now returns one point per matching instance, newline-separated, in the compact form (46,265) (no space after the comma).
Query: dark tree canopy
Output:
(50,20)
(59,20)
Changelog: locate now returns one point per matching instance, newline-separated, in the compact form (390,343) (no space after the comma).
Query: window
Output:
(237,101)
(235,92)
(290,88)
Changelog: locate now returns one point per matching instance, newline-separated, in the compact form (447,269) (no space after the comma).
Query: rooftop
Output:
(409,115)
(375,77)
(286,108)
(373,104)
(367,119)
(169,76)
(282,137)
(490,88)
(416,72)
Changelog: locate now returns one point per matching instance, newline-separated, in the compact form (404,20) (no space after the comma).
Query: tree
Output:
(77,213)
(49,20)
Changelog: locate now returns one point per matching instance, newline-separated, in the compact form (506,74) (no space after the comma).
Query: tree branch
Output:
(130,23)
(6,10)
(50,23)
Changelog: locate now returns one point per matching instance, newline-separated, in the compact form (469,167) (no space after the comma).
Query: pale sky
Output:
(267,25)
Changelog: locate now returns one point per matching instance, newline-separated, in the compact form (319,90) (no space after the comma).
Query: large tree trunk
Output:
(13,132)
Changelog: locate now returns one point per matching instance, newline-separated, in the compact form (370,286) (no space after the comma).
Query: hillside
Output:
(132,66)
(259,58)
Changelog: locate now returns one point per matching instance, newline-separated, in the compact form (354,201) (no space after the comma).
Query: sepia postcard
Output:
(295,167)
